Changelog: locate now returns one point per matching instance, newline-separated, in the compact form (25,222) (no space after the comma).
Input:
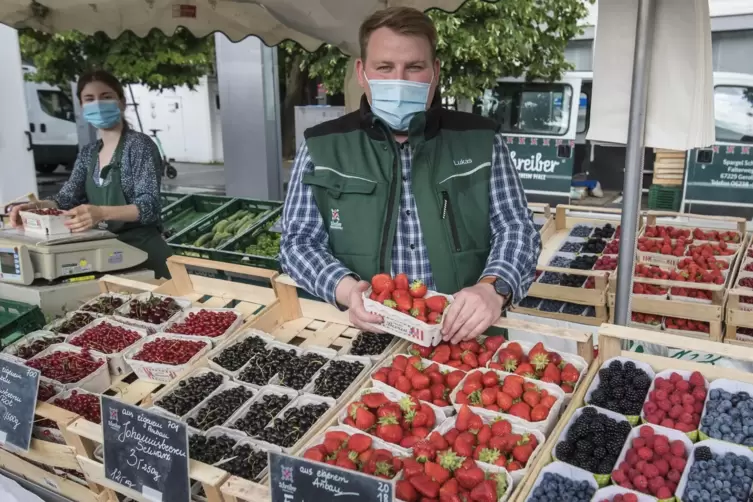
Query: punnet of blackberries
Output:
(557,488)
(189,393)
(718,477)
(299,370)
(370,344)
(729,417)
(593,442)
(336,377)
(210,450)
(260,413)
(236,355)
(265,364)
(622,388)
(285,431)
(218,408)
(73,323)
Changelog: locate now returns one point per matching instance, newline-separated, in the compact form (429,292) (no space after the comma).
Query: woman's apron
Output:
(147,238)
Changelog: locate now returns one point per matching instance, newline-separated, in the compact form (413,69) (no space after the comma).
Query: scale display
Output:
(10,264)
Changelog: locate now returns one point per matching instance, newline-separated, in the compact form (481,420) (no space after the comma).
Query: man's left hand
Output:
(471,313)
(83,217)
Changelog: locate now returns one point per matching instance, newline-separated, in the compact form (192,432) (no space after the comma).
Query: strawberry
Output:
(570,374)
(389,430)
(441,354)
(401,282)
(504,401)
(420,381)
(501,427)
(532,398)
(552,374)
(539,413)
(468,478)
(382,282)
(436,303)
(411,467)
(469,357)
(417,289)
(374,400)
(314,454)
(404,491)
(523,450)
(337,435)
(490,379)
(508,360)
(345,463)
(513,388)
(486,491)
(516,349)
(437,472)
(463,446)
(390,303)
(434,318)
(475,424)
(539,356)
(417,350)
(359,443)
(403,300)
(364,419)
(526,370)
(520,410)
(403,384)
(425,486)
(492,343)
(488,396)
(454,378)
(449,490)
(484,434)
(424,451)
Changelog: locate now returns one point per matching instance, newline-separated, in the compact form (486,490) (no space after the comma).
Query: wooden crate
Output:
(596,297)
(611,340)
(239,490)
(82,436)
(669,167)
(543,211)
(712,313)
(738,313)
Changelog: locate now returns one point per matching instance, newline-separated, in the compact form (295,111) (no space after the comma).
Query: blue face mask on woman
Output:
(396,102)
(102,114)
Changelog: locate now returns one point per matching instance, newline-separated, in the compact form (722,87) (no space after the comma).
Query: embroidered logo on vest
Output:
(334,223)
(462,162)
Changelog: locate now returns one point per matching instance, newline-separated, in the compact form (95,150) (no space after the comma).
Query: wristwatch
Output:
(501,287)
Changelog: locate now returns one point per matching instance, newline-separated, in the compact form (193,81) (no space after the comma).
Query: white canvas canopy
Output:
(308,22)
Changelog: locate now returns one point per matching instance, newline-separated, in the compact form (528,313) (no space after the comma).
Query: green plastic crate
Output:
(190,210)
(183,243)
(17,319)
(167,199)
(665,198)
(237,251)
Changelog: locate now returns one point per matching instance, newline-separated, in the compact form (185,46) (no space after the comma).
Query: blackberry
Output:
(584,262)
(622,388)
(595,246)
(564,450)
(573,281)
(590,412)
(702,453)
(605,232)
(604,467)
(593,441)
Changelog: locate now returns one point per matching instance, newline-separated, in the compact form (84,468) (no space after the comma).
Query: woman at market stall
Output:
(115,182)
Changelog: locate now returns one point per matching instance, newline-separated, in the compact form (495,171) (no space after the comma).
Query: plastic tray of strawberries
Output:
(387,362)
(545,426)
(578,362)
(267,390)
(395,397)
(668,321)
(96,381)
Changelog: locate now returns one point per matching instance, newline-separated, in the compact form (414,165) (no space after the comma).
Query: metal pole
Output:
(634,158)
(135,108)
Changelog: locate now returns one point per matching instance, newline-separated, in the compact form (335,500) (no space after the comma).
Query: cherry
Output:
(210,323)
(169,351)
(66,367)
(47,212)
(106,338)
(84,404)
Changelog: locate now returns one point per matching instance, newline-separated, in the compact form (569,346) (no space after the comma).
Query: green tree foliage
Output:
(478,44)
(157,60)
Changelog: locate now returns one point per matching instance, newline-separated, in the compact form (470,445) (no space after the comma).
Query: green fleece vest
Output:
(357,186)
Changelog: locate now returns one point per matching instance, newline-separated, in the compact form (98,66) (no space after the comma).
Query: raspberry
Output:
(674,476)
(697,380)
(668,422)
(639,442)
(646,432)
(618,477)
(641,483)
(663,493)
(677,463)
(677,448)
(645,453)
(682,386)
(650,471)
(662,466)
(686,418)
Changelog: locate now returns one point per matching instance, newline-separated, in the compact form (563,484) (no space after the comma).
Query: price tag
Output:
(277,227)
(145,452)
(294,479)
(18,400)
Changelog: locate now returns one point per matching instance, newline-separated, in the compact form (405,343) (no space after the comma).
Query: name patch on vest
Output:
(334,222)
(462,162)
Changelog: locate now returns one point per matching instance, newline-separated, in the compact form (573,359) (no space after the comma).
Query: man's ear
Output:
(359,69)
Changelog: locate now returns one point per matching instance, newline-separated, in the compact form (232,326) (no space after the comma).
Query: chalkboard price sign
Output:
(294,479)
(18,400)
(145,452)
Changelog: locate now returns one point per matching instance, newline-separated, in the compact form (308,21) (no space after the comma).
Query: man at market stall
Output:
(405,186)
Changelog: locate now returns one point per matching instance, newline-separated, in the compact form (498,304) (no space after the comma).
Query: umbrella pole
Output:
(632,189)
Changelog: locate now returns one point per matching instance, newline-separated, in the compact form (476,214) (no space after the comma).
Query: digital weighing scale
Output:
(46,271)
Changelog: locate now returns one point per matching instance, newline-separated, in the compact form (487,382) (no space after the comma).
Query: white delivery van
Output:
(52,123)
(546,126)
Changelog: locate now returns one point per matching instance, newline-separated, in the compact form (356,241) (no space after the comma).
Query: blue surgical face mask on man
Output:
(104,114)
(396,102)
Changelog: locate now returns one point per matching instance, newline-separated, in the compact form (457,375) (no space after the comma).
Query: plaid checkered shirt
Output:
(305,254)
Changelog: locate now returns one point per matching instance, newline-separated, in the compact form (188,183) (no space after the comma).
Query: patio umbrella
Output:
(308,22)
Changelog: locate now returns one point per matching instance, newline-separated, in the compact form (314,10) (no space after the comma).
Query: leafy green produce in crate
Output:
(267,244)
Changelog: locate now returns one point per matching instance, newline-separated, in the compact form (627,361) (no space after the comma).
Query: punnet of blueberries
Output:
(285,431)
(571,247)
(581,231)
(556,488)
(550,278)
(220,407)
(189,393)
(235,356)
(593,442)
(370,344)
(622,388)
(718,477)
(560,261)
(729,417)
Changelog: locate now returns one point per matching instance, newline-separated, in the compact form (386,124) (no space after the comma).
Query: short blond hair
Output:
(404,20)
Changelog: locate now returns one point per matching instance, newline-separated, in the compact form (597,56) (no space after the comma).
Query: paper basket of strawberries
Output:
(489,441)
(425,380)
(528,403)
(466,356)
(349,448)
(444,475)
(409,310)
(391,416)
(538,362)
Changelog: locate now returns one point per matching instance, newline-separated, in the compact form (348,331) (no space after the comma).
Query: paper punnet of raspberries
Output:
(676,402)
